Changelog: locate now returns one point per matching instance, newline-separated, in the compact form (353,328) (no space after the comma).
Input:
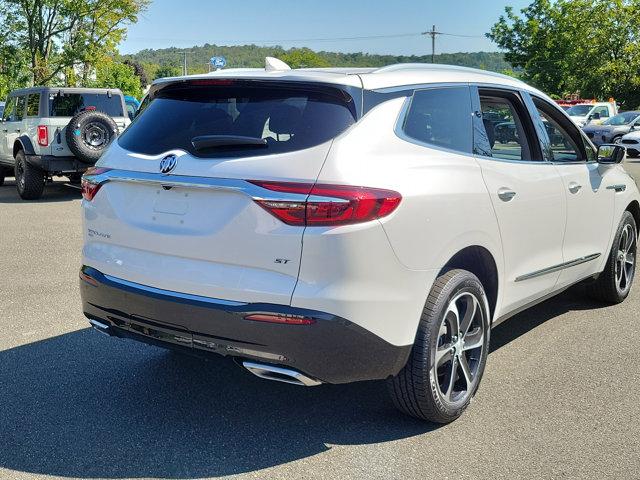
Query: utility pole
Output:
(432,33)
(184,63)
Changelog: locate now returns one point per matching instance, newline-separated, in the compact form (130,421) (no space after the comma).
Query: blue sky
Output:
(291,23)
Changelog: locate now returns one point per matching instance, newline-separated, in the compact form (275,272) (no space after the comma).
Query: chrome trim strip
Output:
(559,267)
(620,187)
(213,183)
(170,293)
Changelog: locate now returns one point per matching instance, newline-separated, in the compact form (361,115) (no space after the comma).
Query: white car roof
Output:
(403,74)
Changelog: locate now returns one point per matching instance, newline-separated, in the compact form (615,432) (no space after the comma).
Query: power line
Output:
(318,39)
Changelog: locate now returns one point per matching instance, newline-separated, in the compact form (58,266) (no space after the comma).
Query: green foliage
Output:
(139,71)
(303,57)
(56,35)
(113,74)
(253,56)
(566,46)
(167,71)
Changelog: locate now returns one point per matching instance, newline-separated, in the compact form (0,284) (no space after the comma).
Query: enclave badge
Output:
(168,163)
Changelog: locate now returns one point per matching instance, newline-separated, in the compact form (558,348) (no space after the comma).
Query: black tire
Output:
(89,134)
(614,283)
(417,389)
(29,179)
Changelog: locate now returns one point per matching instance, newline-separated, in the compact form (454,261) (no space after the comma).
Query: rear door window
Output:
(281,117)
(18,113)
(441,117)
(506,130)
(63,104)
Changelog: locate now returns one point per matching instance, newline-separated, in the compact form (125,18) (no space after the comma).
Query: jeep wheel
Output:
(450,351)
(29,179)
(89,134)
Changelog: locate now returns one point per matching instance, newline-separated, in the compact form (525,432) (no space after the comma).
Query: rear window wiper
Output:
(213,141)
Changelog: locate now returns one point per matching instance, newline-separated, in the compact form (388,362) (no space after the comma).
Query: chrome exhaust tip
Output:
(100,327)
(280,374)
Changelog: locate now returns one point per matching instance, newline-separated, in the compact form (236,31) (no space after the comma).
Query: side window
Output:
(9,108)
(504,123)
(33,105)
(441,117)
(602,111)
(18,114)
(567,144)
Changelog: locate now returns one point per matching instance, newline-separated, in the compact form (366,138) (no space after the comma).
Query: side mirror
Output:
(595,116)
(610,154)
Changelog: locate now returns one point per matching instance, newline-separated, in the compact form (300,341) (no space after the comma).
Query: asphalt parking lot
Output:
(559,399)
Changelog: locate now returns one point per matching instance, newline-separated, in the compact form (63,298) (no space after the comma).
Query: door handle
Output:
(574,187)
(506,194)
(17,130)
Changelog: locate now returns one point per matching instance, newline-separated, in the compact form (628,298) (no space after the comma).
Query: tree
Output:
(566,46)
(138,70)
(61,34)
(167,71)
(303,57)
(113,74)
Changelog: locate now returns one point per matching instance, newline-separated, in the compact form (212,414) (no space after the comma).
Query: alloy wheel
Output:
(459,348)
(626,258)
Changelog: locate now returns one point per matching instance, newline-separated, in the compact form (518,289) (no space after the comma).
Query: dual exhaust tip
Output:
(267,372)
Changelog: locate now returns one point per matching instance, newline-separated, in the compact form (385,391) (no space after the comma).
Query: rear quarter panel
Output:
(445,208)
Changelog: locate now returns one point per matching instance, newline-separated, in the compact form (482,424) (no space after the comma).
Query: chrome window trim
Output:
(557,268)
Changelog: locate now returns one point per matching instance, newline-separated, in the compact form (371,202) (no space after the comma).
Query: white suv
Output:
(340,225)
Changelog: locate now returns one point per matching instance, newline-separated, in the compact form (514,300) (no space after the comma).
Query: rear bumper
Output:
(51,163)
(332,350)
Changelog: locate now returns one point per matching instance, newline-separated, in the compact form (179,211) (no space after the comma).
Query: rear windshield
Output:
(68,104)
(286,117)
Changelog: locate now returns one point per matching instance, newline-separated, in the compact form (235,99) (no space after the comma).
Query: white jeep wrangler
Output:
(48,131)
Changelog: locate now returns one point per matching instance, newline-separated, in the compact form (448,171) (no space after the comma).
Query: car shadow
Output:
(57,191)
(84,405)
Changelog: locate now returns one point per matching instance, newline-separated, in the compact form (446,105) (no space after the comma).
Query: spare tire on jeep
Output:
(89,134)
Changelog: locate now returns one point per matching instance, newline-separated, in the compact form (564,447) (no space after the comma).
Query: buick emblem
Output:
(168,163)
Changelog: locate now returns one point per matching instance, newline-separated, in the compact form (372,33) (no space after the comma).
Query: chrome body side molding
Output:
(556,268)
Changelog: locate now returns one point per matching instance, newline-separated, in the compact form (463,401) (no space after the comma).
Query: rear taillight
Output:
(43,136)
(89,184)
(328,205)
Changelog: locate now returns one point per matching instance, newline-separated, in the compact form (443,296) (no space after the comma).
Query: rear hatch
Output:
(63,105)
(196,227)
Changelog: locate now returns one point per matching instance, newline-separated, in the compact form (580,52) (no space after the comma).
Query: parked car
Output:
(612,129)
(331,226)
(1,109)
(593,112)
(48,132)
(631,141)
